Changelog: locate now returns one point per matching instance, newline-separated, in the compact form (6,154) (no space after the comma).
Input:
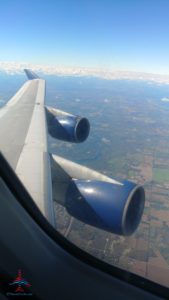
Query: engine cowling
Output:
(116,208)
(67,127)
(97,199)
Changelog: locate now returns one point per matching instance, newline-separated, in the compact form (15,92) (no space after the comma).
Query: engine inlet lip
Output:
(125,230)
(78,124)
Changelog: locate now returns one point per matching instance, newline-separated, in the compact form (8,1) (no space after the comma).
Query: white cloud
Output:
(106,141)
(17,68)
(165,99)
(106,100)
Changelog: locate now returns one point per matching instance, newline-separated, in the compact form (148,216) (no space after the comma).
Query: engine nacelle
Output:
(116,208)
(96,199)
(67,127)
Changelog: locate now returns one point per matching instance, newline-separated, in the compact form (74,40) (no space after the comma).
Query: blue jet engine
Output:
(67,127)
(96,199)
(112,207)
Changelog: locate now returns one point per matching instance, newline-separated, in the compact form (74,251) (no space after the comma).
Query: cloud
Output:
(106,141)
(106,100)
(165,99)
(17,68)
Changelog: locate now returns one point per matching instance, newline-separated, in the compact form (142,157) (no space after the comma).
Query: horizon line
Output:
(13,67)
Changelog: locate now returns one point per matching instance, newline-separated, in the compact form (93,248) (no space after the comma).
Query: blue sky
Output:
(114,34)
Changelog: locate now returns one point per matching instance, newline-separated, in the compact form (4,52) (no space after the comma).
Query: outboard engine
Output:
(67,127)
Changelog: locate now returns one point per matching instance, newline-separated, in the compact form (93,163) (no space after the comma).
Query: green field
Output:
(160,175)
(132,173)
(117,163)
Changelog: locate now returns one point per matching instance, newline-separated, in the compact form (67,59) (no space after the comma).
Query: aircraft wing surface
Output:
(23,141)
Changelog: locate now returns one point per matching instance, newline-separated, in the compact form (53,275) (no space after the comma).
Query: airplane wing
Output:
(23,141)
(91,197)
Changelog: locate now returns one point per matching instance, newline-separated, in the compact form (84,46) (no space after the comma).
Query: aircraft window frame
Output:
(23,197)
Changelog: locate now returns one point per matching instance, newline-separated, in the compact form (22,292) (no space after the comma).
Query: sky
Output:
(105,34)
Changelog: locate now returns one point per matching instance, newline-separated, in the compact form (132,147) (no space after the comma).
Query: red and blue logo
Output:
(20,283)
(19,286)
